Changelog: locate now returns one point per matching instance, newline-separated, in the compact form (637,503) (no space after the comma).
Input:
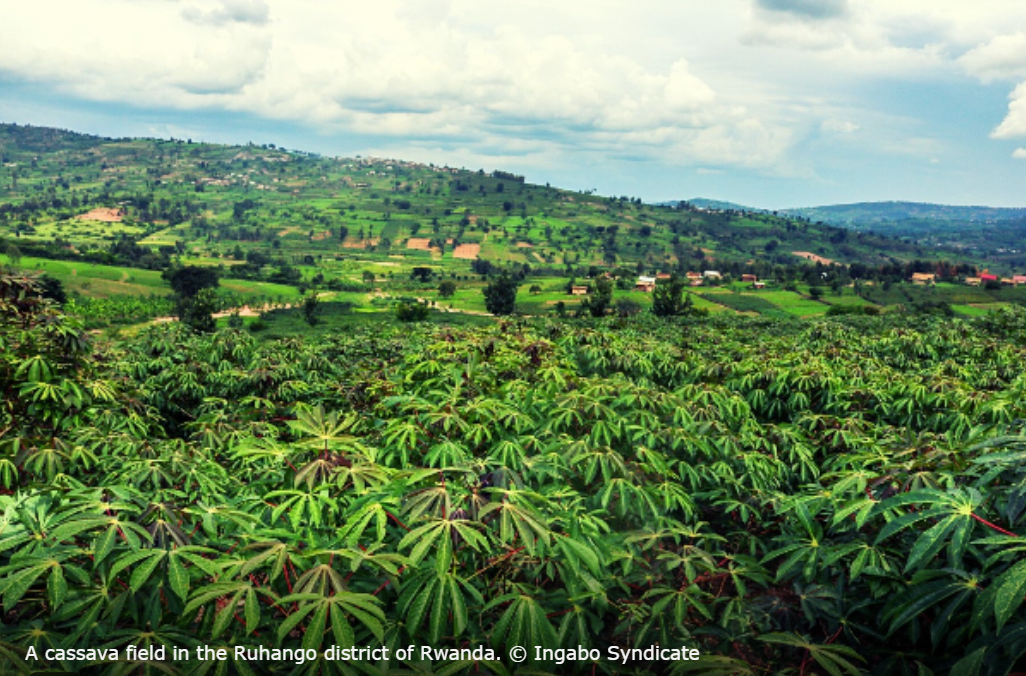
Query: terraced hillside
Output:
(214,200)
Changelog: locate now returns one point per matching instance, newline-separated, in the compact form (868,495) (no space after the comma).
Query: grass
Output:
(792,302)
(333,317)
(97,281)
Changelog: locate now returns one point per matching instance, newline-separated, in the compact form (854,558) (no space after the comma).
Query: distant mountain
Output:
(702,203)
(869,213)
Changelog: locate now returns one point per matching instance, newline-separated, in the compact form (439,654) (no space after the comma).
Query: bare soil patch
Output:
(524,245)
(102,214)
(360,245)
(812,257)
(467,251)
(418,243)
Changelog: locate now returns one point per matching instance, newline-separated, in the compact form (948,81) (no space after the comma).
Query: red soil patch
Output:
(102,214)
(468,251)
(418,243)
(360,245)
(812,257)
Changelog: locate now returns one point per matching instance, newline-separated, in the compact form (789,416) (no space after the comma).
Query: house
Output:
(663,275)
(1008,281)
(972,281)
(924,278)
(577,290)
(712,274)
(692,276)
(987,277)
(758,285)
(1019,279)
(646,284)
(749,278)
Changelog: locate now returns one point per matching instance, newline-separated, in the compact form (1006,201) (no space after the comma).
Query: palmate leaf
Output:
(441,533)
(232,593)
(953,513)
(332,612)
(25,571)
(371,511)
(524,622)
(834,659)
(926,594)
(438,599)
(517,521)
(270,554)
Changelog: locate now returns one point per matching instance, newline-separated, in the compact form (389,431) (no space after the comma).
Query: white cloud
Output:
(674,82)
(1014,124)
(394,67)
(1019,153)
(1002,58)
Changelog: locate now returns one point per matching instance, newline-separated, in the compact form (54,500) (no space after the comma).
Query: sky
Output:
(768,103)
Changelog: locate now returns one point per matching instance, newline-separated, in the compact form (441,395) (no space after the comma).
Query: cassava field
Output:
(334,448)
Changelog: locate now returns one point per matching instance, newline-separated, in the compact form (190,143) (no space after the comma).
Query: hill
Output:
(869,213)
(221,202)
(992,234)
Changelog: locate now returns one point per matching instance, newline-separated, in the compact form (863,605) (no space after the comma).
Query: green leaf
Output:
(969,665)
(1010,587)
(144,570)
(56,587)
(178,577)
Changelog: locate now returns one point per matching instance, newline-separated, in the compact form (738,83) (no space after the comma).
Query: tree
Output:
(368,277)
(310,304)
(195,297)
(187,281)
(815,292)
(421,274)
(601,298)
(447,288)
(197,311)
(501,295)
(668,298)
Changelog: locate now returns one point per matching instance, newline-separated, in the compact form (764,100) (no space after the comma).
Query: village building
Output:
(712,274)
(758,285)
(577,290)
(973,281)
(663,275)
(1019,279)
(924,278)
(749,278)
(646,284)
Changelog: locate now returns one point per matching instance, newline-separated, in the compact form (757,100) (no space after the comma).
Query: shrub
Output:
(411,311)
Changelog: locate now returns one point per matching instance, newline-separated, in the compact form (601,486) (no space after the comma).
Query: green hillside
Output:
(106,216)
(210,199)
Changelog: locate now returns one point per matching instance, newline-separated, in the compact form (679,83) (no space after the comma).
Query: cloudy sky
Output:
(771,103)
